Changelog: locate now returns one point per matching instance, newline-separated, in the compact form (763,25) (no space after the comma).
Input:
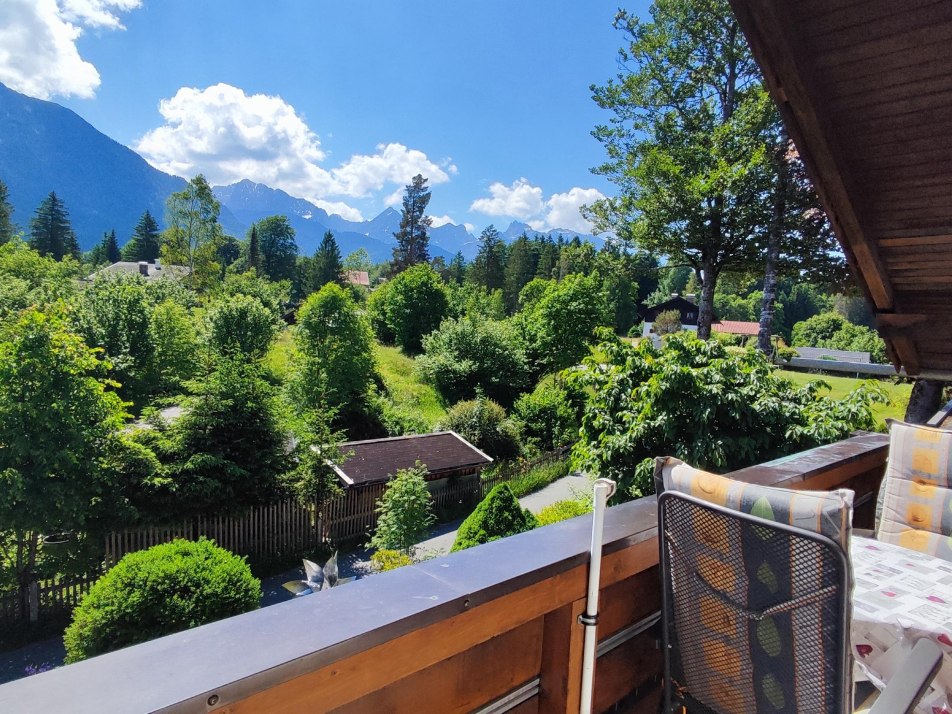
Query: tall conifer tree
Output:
(413,239)
(50,231)
(327,263)
(254,250)
(7,228)
(144,244)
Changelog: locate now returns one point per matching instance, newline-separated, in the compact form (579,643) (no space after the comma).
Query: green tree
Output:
(499,515)
(667,322)
(154,592)
(273,296)
(832,331)
(327,263)
(336,365)
(413,238)
(559,326)
(50,231)
(144,244)
(521,266)
(416,302)
(278,248)
(240,326)
(7,228)
(466,355)
(687,143)
(106,251)
(483,423)
(29,279)
(405,513)
(175,338)
(359,261)
(488,268)
(698,401)
(254,250)
(194,236)
(548,417)
(456,271)
(59,424)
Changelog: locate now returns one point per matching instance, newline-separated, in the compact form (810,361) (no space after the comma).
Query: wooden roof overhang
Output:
(865,90)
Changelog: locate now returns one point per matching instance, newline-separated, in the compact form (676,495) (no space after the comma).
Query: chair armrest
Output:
(907,686)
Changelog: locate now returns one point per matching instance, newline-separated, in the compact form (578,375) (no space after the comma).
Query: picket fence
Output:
(279,532)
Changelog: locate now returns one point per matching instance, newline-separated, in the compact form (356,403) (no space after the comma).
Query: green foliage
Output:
(28,278)
(384,560)
(164,589)
(106,252)
(475,301)
(377,303)
(413,238)
(7,229)
(50,231)
(833,331)
(59,427)
(336,348)
(278,248)
(175,339)
(418,402)
(535,477)
(144,244)
(273,295)
(405,513)
(193,236)
(558,321)
(488,268)
(499,515)
(697,401)
(667,322)
(327,263)
(483,423)
(469,354)
(562,511)
(548,417)
(414,304)
(239,325)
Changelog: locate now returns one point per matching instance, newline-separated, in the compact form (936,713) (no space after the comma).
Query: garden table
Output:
(900,596)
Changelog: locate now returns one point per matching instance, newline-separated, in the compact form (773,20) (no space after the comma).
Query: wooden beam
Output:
(768,27)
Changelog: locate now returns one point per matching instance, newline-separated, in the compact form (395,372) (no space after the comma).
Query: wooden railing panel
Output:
(635,664)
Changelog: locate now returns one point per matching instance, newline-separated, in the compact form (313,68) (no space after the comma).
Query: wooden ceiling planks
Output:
(866,92)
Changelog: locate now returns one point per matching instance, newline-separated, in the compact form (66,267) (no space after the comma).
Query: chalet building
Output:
(445,454)
(150,270)
(684,305)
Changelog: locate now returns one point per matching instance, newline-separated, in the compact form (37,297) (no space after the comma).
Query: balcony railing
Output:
(490,629)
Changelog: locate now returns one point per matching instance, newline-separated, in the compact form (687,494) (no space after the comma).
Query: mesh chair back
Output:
(756,613)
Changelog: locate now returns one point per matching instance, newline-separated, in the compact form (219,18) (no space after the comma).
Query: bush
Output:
(384,560)
(548,417)
(497,516)
(155,592)
(240,325)
(562,511)
(414,304)
(667,322)
(538,477)
(832,331)
(406,512)
(483,423)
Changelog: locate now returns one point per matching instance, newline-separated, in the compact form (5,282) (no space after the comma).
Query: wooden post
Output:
(34,598)
(561,678)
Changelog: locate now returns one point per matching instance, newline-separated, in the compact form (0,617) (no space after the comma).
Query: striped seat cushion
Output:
(917,490)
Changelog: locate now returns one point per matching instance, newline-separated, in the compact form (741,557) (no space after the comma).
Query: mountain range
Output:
(107,186)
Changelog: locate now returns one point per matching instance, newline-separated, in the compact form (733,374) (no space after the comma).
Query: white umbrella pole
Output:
(604,489)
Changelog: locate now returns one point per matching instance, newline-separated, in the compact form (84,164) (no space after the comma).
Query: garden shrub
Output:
(667,322)
(405,512)
(547,417)
(483,423)
(538,477)
(384,560)
(158,591)
(497,516)
(704,403)
(562,511)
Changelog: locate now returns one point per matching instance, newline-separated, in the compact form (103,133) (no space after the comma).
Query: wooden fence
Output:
(50,599)
(279,532)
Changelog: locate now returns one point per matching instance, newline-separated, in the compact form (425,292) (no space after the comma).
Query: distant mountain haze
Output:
(104,185)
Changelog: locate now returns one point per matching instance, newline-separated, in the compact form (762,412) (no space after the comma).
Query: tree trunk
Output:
(925,400)
(705,314)
(774,234)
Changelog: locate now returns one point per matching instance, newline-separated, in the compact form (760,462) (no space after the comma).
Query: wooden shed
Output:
(865,90)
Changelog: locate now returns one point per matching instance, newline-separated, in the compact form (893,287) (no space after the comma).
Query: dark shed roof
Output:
(377,460)
(686,308)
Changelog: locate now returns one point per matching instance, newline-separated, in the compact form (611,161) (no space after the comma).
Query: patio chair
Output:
(915,498)
(756,607)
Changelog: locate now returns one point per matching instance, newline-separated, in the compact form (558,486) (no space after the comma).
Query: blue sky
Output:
(339,102)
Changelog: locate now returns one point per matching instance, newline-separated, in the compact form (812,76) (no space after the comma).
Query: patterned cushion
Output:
(748,664)
(829,513)
(917,490)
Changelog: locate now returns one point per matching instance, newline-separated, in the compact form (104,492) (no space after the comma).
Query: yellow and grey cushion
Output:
(917,490)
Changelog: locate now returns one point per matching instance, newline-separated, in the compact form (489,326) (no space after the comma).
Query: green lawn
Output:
(279,356)
(405,389)
(841,386)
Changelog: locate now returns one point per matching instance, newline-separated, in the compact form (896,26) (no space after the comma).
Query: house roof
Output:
(154,271)
(865,90)
(357,277)
(378,460)
(681,304)
(736,327)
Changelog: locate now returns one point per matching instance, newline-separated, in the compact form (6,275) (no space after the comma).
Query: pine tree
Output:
(327,263)
(111,246)
(7,228)
(457,268)
(489,265)
(520,269)
(50,231)
(254,250)
(144,244)
(412,238)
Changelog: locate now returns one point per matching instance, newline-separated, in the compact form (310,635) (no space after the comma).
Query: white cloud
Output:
(38,53)
(524,202)
(521,200)
(340,208)
(394,199)
(469,227)
(438,221)
(562,209)
(228,135)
